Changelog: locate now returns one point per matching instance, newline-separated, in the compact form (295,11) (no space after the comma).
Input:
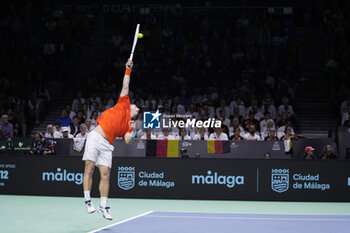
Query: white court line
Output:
(242,218)
(253,213)
(123,221)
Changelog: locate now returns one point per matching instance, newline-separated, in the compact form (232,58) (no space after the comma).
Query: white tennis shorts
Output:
(98,149)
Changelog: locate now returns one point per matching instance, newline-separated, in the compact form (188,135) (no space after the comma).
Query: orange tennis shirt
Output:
(115,121)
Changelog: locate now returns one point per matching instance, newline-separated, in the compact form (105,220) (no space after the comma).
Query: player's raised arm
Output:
(126,80)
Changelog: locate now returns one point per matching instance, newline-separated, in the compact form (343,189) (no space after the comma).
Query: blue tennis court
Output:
(185,222)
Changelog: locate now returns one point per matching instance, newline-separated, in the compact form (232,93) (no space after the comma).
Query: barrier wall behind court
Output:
(220,179)
(240,149)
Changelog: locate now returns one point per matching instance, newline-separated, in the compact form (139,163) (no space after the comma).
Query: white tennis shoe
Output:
(89,207)
(105,212)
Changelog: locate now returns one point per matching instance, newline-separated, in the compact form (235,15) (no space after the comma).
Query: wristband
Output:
(133,133)
(127,71)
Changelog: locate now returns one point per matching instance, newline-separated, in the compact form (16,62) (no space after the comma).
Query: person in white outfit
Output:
(201,135)
(218,135)
(166,134)
(183,135)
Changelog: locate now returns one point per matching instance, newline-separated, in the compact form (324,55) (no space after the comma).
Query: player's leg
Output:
(104,190)
(90,157)
(104,163)
(87,183)
(87,180)
(104,184)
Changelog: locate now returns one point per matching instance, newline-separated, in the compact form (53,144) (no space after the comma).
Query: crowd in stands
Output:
(39,45)
(336,32)
(240,68)
(247,80)
(256,121)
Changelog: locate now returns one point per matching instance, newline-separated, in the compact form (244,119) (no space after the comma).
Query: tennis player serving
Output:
(114,122)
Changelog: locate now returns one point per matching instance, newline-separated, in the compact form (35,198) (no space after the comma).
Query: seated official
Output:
(42,146)
(328,153)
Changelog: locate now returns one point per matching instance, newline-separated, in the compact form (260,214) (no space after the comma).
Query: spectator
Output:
(254,108)
(89,126)
(65,133)
(94,119)
(225,121)
(266,126)
(237,135)
(223,107)
(271,136)
(100,109)
(345,105)
(34,108)
(21,120)
(201,135)
(78,101)
(347,124)
(251,135)
(13,120)
(283,120)
(58,127)
(83,132)
(6,126)
(148,135)
(345,115)
(251,121)
(218,135)
(139,121)
(49,48)
(192,110)
(285,108)
(268,107)
(288,133)
(166,134)
(267,155)
(70,113)
(64,119)
(239,104)
(43,94)
(328,153)
(90,109)
(236,114)
(94,99)
(51,133)
(2,135)
(309,153)
(235,124)
(224,126)
(42,146)
(74,126)
(183,135)
(285,131)
(80,116)
(257,114)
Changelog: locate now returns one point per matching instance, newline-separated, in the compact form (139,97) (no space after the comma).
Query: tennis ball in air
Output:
(140,35)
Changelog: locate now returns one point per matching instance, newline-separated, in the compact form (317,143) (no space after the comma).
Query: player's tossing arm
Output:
(130,136)
(126,80)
